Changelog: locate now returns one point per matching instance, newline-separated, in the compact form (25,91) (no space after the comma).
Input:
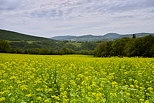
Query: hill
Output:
(14,36)
(106,37)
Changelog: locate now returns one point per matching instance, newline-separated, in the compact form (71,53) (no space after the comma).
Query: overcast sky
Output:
(50,18)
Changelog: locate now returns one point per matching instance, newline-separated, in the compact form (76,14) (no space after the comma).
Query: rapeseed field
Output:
(75,79)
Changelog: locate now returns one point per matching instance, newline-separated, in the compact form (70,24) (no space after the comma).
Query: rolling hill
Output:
(106,37)
(14,36)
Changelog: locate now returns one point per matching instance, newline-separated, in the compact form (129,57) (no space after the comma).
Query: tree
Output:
(134,36)
(67,50)
(140,47)
(4,46)
(104,49)
(100,50)
(129,47)
(88,45)
(119,46)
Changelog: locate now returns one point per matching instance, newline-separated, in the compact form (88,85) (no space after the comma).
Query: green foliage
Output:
(60,47)
(88,45)
(86,52)
(14,36)
(119,46)
(134,36)
(127,47)
(67,51)
(143,47)
(4,46)
(101,49)
(21,43)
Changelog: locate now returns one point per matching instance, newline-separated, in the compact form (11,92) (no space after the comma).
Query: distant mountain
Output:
(63,37)
(14,36)
(106,37)
(112,36)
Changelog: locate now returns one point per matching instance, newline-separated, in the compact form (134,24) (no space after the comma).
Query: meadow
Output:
(75,79)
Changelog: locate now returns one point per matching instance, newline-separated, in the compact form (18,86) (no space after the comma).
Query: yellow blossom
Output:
(2,99)
(28,95)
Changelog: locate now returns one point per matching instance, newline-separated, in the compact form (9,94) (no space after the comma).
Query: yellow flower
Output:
(3,81)
(141,100)
(147,101)
(132,86)
(23,87)
(46,101)
(150,88)
(13,77)
(125,73)
(135,81)
(72,82)
(10,87)
(38,81)
(28,95)
(128,94)
(142,88)
(2,99)
(113,94)
(39,98)
(114,83)
(55,97)
(39,89)
(1,93)
(136,86)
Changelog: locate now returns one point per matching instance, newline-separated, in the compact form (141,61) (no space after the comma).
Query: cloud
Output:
(60,17)
(9,4)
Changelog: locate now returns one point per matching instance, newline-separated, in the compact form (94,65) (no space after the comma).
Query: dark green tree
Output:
(134,36)
(100,50)
(88,45)
(119,46)
(4,46)
(143,46)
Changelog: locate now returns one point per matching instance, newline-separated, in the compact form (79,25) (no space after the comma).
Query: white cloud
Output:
(60,17)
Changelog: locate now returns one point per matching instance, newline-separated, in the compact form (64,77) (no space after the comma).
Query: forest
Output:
(130,47)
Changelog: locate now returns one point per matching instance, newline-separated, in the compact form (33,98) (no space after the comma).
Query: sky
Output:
(48,18)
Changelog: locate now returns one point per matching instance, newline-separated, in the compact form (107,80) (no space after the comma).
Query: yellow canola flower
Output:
(132,86)
(150,88)
(13,77)
(55,97)
(46,101)
(78,79)
(39,98)
(2,99)
(24,87)
(72,82)
(4,81)
(147,101)
(39,89)
(113,94)
(38,81)
(135,81)
(1,93)
(28,95)
(142,100)
(128,94)
(114,84)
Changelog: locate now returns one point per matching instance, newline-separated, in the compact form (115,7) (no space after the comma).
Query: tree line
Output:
(46,47)
(129,47)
